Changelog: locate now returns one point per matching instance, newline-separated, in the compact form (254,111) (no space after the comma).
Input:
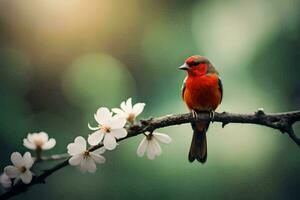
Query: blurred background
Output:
(60,60)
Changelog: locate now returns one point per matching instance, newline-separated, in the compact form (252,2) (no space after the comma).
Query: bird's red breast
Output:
(202,93)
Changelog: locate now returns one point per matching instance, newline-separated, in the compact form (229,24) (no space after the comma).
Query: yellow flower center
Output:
(149,137)
(131,117)
(22,169)
(86,154)
(105,129)
(38,143)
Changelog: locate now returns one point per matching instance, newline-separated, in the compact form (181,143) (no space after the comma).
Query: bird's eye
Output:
(195,63)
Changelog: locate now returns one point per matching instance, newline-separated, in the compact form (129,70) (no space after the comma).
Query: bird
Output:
(202,91)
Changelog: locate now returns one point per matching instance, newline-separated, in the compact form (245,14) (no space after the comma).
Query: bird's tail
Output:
(198,149)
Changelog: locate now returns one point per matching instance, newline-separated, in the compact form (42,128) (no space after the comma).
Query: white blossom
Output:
(109,129)
(20,168)
(38,141)
(5,181)
(82,157)
(128,111)
(150,144)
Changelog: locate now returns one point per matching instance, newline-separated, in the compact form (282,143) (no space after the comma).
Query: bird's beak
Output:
(184,67)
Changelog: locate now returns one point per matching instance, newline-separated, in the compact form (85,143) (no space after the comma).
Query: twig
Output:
(55,157)
(280,121)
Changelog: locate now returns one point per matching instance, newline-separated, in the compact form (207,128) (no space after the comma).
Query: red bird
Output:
(202,91)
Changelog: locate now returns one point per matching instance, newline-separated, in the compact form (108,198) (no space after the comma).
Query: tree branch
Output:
(280,121)
(55,157)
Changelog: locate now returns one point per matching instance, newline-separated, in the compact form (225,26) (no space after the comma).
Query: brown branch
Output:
(280,121)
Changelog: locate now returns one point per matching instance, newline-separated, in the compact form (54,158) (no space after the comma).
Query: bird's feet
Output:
(212,116)
(194,114)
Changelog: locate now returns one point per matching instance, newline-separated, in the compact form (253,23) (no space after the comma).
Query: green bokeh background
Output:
(61,60)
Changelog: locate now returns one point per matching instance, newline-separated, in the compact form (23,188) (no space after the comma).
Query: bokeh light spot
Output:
(97,79)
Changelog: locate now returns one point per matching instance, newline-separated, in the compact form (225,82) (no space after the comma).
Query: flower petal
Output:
(77,147)
(91,165)
(88,164)
(93,128)
(49,145)
(138,108)
(103,115)
(129,105)
(119,133)
(28,144)
(43,137)
(109,142)
(101,150)
(97,158)
(5,181)
(156,147)
(80,142)
(26,177)
(150,150)
(31,137)
(16,159)
(28,161)
(142,147)
(76,159)
(162,137)
(82,166)
(95,138)
(123,106)
(118,111)
(73,149)
(117,122)
(11,171)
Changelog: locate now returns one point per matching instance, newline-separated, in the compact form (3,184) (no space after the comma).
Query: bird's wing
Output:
(183,88)
(220,88)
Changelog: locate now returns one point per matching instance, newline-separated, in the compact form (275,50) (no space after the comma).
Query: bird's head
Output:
(197,65)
